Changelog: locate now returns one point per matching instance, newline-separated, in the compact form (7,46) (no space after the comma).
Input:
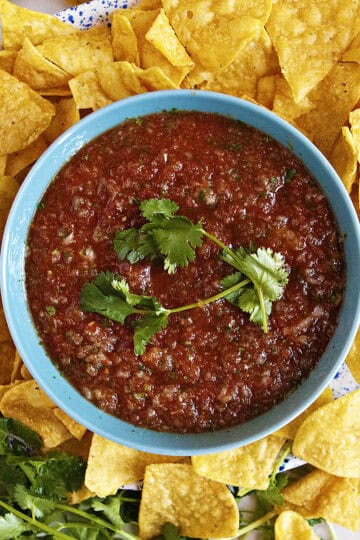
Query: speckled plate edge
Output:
(98,12)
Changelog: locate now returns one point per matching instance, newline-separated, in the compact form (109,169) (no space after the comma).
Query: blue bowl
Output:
(13,280)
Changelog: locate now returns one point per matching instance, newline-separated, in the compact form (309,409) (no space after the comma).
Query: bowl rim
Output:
(26,339)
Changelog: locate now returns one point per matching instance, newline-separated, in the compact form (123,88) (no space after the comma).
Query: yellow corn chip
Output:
(291,525)
(34,69)
(17,161)
(289,431)
(343,158)
(310,38)
(76,497)
(120,80)
(200,507)
(16,369)
(266,88)
(124,41)
(24,115)
(8,190)
(79,52)
(354,119)
(255,60)
(284,104)
(154,78)
(25,373)
(3,160)
(248,466)
(124,465)
(7,60)
(333,99)
(329,432)
(87,91)
(7,357)
(67,114)
(76,429)
(19,22)
(29,404)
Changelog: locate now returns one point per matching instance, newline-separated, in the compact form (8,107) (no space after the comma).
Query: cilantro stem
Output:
(263,311)
(96,520)
(201,303)
(333,535)
(223,246)
(38,524)
(256,524)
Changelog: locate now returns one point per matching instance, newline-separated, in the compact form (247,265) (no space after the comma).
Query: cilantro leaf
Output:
(272,495)
(164,235)
(151,208)
(38,506)
(12,527)
(249,302)
(146,328)
(229,281)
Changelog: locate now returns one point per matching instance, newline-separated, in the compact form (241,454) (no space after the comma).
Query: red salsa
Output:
(211,367)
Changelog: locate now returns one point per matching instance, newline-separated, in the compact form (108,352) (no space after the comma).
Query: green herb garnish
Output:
(259,279)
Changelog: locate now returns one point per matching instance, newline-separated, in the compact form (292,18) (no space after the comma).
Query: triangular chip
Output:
(343,158)
(174,493)
(353,358)
(310,38)
(329,432)
(87,91)
(248,466)
(18,161)
(24,115)
(67,114)
(8,190)
(291,525)
(19,22)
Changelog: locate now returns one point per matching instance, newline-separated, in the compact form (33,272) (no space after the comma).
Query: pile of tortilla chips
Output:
(299,59)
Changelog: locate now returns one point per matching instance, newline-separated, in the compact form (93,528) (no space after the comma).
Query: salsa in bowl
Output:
(188,262)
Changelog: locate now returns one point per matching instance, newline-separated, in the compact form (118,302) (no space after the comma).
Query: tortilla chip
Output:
(25,373)
(34,69)
(333,498)
(16,369)
(154,78)
(266,88)
(162,36)
(343,157)
(174,493)
(353,358)
(76,429)
(214,32)
(67,114)
(24,115)
(4,388)
(7,356)
(3,160)
(76,497)
(19,22)
(248,466)
(284,104)
(29,404)
(79,52)
(333,100)
(289,430)
(354,119)
(329,432)
(8,190)
(125,465)
(124,41)
(310,38)
(17,161)
(120,80)
(255,60)
(58,92)
(7,60)
(77,447)
(291,525)
(87,91)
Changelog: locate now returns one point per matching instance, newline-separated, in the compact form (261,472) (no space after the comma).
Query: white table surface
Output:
(53,6)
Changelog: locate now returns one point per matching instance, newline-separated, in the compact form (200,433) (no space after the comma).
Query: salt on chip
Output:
(24,115)
(292,526)
(248,466)
(29,404)
(343,157)
(255,60)
(353,358)
(333,99)
(199,507)
(7,356)
(19,22)
(79,52)
(88,92)
(124,465)
(19,160)
(34,69)
(124,41)
(214,32)
(76,429)
(67,114)
(310,38)
(8,190)
(162,36)
(329,432)
(289,430)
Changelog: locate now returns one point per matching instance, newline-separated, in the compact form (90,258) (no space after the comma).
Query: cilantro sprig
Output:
(34,488)
(259,279)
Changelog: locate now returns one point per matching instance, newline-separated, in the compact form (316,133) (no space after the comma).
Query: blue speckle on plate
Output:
(93,13)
